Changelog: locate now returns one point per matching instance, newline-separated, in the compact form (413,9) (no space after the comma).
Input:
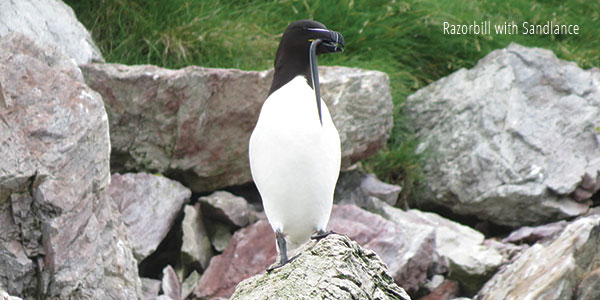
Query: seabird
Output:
(295,148)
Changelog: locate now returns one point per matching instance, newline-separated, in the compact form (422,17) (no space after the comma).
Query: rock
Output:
(196,249)
(194,124)
(410,256)
(150,288)
(333,268)
(355,187)
(445,291)
(219,235)
(226,207)
(470,262)
(512,139)
(170,284)
(149,204)
(52,23)
(251,250)
(532,235)
(567,268)
(5,296)
(189,284)
(61,234)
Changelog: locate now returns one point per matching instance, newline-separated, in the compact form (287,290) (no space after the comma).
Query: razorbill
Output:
(295,148)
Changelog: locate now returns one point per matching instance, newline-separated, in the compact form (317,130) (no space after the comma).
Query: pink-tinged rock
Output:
(446,291)
(194,123)
(250,251)
(149,205)
(532,235)
(408,257)
(61,235)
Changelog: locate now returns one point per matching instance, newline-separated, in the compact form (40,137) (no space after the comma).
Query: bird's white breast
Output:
(295,161)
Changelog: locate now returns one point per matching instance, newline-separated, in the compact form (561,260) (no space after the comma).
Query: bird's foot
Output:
(321,234)
(281,264)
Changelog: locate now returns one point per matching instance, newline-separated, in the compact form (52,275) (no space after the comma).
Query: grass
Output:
(403,39)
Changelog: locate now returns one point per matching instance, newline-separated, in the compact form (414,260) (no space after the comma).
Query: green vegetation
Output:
(402,38)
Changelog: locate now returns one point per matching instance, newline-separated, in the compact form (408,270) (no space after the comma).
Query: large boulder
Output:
(149,205)
(332,268)
(513,140)
(61,235)
(194,124)
(50,22)
(567,268)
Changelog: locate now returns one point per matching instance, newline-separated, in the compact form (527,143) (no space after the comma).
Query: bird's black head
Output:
(292,57)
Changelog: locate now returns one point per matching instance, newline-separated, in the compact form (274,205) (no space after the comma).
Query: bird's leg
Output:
(321,234)
(282,251)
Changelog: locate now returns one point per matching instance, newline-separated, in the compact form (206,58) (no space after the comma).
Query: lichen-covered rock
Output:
(567,268)
(51,22)
(61,236)
(334,268)
(194,124)
(513,140)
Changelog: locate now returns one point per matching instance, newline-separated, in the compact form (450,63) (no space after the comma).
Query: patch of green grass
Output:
(401,38)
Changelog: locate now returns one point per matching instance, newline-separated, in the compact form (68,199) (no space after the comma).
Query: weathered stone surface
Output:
(196,249)
(250,251)
(512,139)
(355,187)
(226,207)
(333,268)
(50,22)
(219,235)
(150,288)
(149,205)
(470,262)
(61,234)
(532,235)
(194,123)
(445,291)
(567,268)
(5,296)
(410,256)
(170,284)
(189,284)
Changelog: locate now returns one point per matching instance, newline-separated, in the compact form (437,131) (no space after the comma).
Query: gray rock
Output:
(61,235)
(470,262)
(170,284)
(50,22)
(334,268)
(5,296)
(355,187)
(567,268)
(196,249)
(189,284)
(194,123)
(219,235)
(532,235)
(226,207)
(150,288)
(149,204)
(511,140)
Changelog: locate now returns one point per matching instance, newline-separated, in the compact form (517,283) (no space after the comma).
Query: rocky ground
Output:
(132,182)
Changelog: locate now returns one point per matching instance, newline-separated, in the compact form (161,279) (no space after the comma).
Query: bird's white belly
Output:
(295,161)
